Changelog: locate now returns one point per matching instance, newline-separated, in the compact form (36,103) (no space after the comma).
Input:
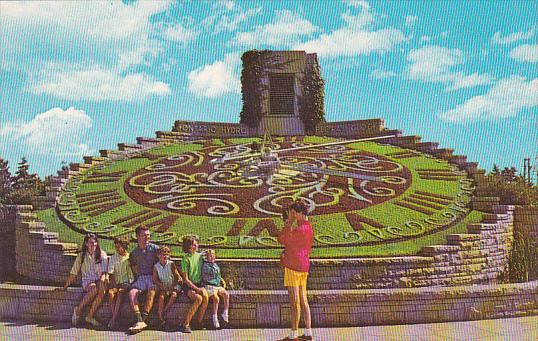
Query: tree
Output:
(22,178)
(509,174)
(5,180)
(25,185)
(312,108)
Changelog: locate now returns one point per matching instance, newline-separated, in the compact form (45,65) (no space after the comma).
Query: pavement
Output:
(512,329)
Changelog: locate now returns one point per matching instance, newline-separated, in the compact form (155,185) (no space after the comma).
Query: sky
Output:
(77,77)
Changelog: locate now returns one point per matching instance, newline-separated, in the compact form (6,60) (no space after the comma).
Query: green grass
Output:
(335,225)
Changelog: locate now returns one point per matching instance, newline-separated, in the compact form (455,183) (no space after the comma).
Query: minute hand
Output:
(309,169)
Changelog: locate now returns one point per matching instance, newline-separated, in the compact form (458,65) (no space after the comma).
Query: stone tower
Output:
(273,86)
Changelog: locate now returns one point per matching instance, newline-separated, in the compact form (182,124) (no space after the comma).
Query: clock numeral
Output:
(425,202)
(404,154)
(136,218)
(143,218)
(264,224)
(97,177)
(237,227)
(437,174)
(360,223)
(99,202)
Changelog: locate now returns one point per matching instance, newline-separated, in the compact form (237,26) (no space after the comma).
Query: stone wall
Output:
(477,257)
(258,309)
(480,256)
(7,243)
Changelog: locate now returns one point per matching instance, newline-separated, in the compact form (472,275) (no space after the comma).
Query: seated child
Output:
(90,262)
(166,278)
(215,286)
(191,272)
(120,277)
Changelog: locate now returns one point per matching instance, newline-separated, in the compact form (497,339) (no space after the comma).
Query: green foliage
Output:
(22,187)
(6,181)
(514,192)
(509,174)
(523,263)
(250,89)
(312,106)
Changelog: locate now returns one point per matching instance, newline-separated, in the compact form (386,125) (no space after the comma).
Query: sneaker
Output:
(215,321)
(288,339)
(111,324)
(138,327)
(185,329)
(93,322)
(74,317)
(197,325)
(306,338)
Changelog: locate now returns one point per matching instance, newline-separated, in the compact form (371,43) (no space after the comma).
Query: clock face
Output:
(359,194)
(340,179)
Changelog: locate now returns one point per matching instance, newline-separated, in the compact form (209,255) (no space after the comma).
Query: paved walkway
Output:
(512,329)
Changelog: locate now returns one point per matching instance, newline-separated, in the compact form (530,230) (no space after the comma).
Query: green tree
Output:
(509,174)
(523,264)
(313,100)
(25,185)
(6,184)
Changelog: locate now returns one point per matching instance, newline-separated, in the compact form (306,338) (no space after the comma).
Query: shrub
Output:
(523,262)
(516,192)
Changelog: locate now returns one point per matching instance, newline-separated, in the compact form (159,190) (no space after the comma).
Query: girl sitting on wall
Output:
(90,262)
(121,277)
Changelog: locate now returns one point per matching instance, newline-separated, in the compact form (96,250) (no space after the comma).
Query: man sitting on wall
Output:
(142,260)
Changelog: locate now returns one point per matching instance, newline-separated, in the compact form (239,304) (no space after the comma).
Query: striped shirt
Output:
(90,270)
(118,266)
(166,276)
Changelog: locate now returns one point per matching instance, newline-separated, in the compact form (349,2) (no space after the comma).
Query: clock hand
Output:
(311,169)
(278,151)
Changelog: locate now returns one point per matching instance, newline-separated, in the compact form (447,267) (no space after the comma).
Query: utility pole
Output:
(527,170)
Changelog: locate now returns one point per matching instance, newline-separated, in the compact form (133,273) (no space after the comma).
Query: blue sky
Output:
(77,77)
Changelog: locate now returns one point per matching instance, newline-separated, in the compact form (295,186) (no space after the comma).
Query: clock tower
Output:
(277,93)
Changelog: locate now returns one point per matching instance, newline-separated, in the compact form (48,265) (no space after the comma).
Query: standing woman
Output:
(90,262)
(298,241)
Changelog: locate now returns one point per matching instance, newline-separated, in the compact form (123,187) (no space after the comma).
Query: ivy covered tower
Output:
(283,92)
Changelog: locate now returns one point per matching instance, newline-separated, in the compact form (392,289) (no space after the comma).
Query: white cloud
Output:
(102,20)
(94,30)
(410,20)
(436,64)
(425,39)
(54,132)
(506,98)
(142,55)
(286,29)
(355,37)
(227,16)
(179,33)
(97,84)
(216,79)
(498,38)
(382,74)
(358,4)
(525,53)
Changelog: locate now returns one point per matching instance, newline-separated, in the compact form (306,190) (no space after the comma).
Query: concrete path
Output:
(511,329)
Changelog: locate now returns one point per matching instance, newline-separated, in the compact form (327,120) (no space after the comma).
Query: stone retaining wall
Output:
(474,258)
(257,309)
(477,257)
(7,243)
